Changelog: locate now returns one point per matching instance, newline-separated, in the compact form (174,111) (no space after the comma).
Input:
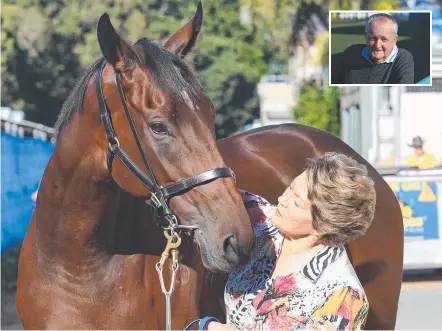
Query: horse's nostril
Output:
(230,247)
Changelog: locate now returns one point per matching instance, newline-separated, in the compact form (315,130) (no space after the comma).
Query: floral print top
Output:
(324,294)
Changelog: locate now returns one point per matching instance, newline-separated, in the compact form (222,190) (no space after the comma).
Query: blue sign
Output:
(418,201)
(23,161)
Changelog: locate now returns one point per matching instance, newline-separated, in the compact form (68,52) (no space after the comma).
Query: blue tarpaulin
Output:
(23,161)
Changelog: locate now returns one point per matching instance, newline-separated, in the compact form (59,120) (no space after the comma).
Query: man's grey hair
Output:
(381,16)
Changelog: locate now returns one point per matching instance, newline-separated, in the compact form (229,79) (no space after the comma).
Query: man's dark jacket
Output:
(350,67)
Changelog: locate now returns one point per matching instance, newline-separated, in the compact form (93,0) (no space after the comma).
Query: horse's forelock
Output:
(172,74)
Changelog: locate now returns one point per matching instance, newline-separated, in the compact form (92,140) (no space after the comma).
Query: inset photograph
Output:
(380,48)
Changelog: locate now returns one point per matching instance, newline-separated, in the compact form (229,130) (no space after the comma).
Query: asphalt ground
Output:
(420,303)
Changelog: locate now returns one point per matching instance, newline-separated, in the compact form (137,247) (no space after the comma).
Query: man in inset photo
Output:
(379,61)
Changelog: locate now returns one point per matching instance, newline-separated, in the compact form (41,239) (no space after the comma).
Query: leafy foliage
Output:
(46,45)
(319,107)
(231,59)
(384,5)
(322,44)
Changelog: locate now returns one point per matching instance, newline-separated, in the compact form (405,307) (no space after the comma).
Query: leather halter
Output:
(160,195)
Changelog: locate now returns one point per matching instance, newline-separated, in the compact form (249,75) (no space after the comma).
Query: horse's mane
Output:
(75,100)
(171,72)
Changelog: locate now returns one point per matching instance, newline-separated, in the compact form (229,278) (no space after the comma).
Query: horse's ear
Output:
(116,51)
(185,38)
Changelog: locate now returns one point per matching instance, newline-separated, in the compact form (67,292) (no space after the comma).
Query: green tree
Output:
(231,59)
(46,45)
(384,5)
(319,107)
(322,44)
(9,56)
(285,20)
(288,21)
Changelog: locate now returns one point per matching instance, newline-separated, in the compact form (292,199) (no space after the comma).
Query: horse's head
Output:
(174,121)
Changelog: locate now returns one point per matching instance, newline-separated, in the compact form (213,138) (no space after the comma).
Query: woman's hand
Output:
(220,326)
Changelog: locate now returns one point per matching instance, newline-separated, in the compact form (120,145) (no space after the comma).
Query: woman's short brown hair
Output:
(342,197)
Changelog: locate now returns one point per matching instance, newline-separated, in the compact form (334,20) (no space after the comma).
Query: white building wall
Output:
(421,116)
(389,117)
(277,98)
(358,120)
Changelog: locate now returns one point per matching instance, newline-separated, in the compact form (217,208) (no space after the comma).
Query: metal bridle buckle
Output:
(156,200)
(114,145)
(233,176)
(173,221)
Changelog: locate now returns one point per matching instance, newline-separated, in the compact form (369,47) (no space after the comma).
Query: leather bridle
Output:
(160,195)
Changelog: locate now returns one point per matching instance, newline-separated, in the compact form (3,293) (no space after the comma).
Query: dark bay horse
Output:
(139,108)
(88,259)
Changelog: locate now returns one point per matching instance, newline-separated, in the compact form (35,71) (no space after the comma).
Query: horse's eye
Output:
(159,129)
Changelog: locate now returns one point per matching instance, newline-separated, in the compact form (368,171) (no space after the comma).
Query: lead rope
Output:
(173,242)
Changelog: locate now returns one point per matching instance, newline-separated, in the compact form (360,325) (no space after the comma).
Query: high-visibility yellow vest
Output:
(426,161)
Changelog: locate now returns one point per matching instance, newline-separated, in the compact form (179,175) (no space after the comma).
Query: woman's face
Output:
(293,216)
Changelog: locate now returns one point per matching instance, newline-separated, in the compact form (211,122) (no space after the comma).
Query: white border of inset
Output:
(374,12)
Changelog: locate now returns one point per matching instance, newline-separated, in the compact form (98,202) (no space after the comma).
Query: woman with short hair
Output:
(299,275)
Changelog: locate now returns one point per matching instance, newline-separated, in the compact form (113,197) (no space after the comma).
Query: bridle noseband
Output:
(160,195)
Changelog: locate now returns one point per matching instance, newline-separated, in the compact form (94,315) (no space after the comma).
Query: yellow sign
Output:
(427,194)
(413,221)
(395,186)
(406,210)
(407,214)
(411,186)
(419,206)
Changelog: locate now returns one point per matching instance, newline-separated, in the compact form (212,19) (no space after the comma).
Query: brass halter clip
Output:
(173,242)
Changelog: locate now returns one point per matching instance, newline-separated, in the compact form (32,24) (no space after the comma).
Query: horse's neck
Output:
(75,212)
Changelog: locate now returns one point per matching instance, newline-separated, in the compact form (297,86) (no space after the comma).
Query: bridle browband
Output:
(160,195)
